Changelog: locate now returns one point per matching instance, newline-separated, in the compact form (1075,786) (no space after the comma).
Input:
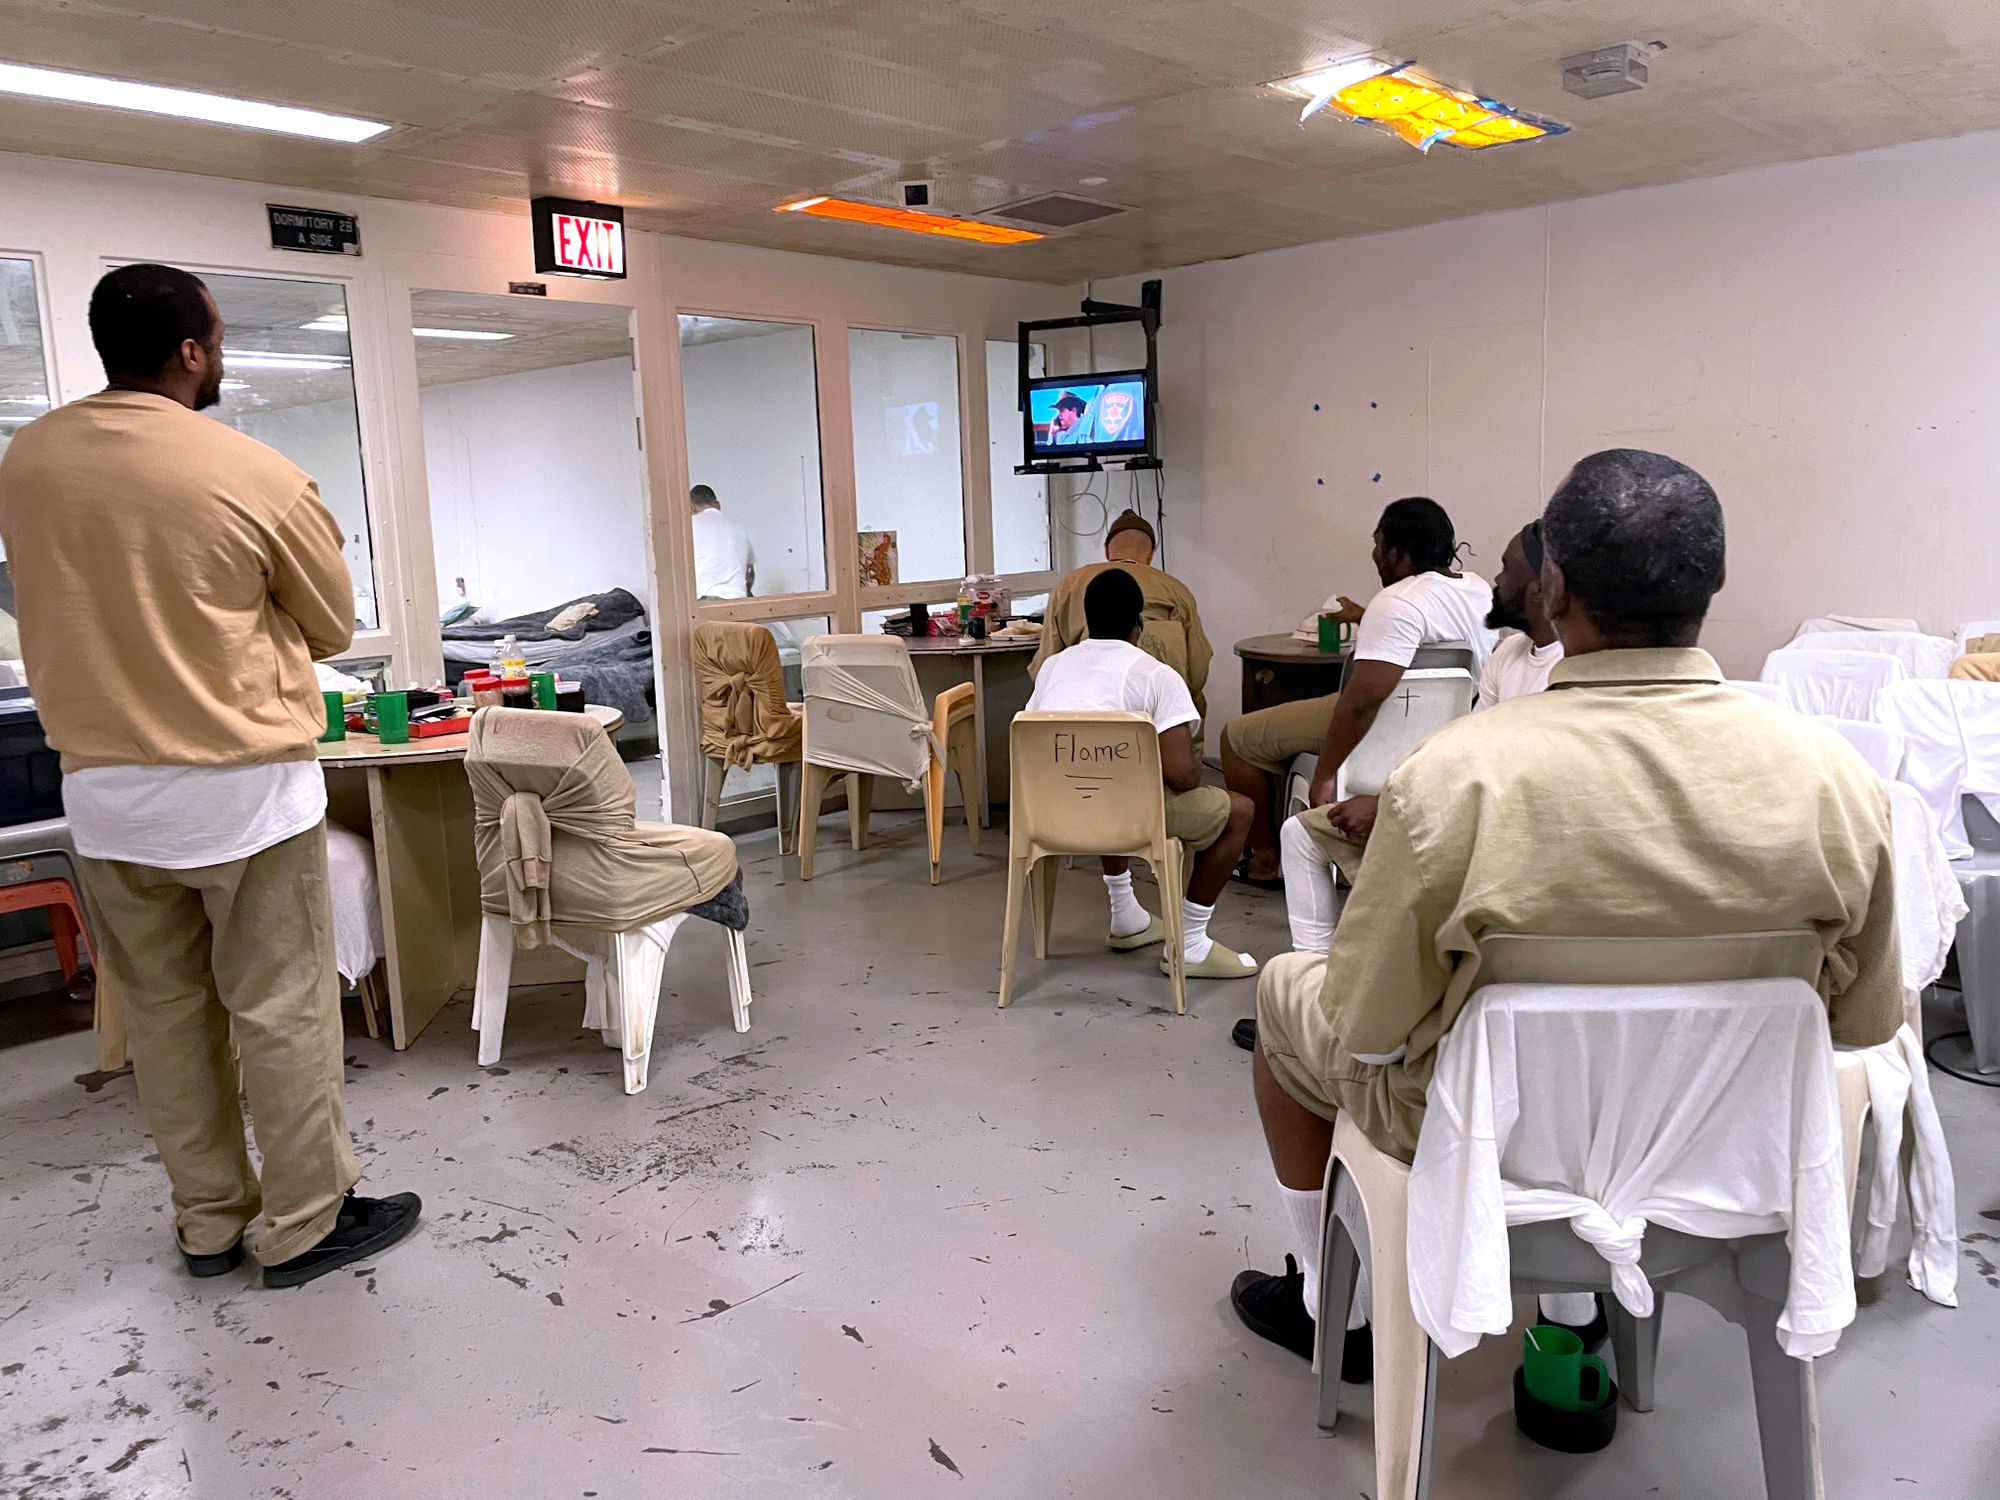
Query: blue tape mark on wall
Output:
(1376,480)
(1371,406)
(1319,481)
(1315,406)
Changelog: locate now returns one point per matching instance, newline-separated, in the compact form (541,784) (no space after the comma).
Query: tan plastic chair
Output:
(1367,1198)
(1086,784)
(745,720)
(865,717)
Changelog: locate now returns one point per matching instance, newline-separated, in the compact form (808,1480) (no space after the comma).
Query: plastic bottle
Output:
(508,660)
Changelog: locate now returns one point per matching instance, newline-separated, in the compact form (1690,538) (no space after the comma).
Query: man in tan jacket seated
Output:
(1638,796)
(1169,630)
(176,582)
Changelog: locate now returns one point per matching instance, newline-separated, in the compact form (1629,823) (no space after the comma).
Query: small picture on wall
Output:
(878,559)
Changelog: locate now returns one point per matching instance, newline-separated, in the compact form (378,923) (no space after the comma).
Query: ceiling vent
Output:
(1055,211)
(1608,70)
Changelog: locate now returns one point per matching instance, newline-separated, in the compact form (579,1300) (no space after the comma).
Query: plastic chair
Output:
(1367,1196)
(1085,784)
(745,719)
(865,717)
(562,859)
(1971,634)
(1833,683)
(1425,700)
(31,853)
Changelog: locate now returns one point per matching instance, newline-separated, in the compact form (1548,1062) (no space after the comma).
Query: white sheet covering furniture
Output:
(1709,1109)
(1924,655)
(1952,730)
(1882,747)
(1833,684)
(357,910)
(1850,623)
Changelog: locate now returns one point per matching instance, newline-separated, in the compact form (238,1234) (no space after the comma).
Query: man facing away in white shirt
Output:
(725,564)
(1107,672)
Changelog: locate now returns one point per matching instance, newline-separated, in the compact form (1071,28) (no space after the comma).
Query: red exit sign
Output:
(575,238)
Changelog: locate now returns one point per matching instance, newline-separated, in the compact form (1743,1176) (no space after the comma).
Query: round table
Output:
(1279,669)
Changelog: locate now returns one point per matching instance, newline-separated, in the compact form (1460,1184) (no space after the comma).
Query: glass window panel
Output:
(288,380)
(1020,501)
(909,485)
(24,395)
(751,397)
(531,449)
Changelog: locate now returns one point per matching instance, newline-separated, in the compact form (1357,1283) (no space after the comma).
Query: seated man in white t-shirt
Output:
(1107,672)
(725,564)
(1313,845)
(1425,601)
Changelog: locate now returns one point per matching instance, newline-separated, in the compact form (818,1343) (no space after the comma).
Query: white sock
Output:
(1574,1308)
(1194,931)
(1127,915)
(1311,902)
(1308,1224)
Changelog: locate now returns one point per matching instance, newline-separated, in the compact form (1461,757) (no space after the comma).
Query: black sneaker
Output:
(1244,1033)
(1593,1333)
(1274,1308)
(219,1264)
(365,1226)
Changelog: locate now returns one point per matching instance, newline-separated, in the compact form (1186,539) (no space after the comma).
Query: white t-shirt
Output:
(1517,668)
(1426,609)
(1096,676)
(722,557)
(184,817)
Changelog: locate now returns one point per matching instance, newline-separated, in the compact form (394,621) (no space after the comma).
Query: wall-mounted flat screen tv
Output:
(1088,416)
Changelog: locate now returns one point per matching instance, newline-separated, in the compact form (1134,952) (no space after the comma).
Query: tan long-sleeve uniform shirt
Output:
(176,581)
(1639,796)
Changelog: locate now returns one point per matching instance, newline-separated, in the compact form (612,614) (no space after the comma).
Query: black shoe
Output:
(365,1226)
(1244,1033)
(1242,873)
(1274,1308)
(219,1264)
(1593,1333)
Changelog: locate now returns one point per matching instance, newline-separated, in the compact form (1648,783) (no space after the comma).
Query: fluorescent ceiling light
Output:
(332,323)
(276,359)
(851,212)
(1408,103)
(183,104)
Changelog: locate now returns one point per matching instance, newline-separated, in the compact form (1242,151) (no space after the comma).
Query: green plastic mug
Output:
(336,718)
(543,685)
(1558,1373)
(392,717)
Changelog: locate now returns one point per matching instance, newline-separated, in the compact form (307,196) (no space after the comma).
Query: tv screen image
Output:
(1084,415)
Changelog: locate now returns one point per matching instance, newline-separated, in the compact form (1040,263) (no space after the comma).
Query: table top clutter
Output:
(362,748)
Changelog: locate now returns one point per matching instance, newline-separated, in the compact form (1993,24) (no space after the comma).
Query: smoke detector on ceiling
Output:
(1608,70)
(917,192)
(1055,211)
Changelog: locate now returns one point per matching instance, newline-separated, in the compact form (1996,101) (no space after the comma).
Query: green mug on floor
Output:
(1558,1373)
(336,717)
(392,717)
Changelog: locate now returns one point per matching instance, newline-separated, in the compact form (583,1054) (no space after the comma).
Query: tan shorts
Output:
(1270,737)
(1296,1031)
(1197,818)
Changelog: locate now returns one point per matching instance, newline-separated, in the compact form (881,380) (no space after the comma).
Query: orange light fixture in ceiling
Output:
(850,212)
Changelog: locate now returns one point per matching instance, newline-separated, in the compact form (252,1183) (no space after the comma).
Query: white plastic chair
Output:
(1846,624)
(1882,747)
(1924,655)
(1426,699)
(1834,684)
(1085,783)
(865,717)
(1367,1227)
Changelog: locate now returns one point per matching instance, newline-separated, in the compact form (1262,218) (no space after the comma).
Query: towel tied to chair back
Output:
(744,716)
(1709,1109)
(868,713)
(555,833)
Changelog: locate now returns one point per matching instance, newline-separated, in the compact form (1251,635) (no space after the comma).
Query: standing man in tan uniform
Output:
(176,581)
(1170,628)
(1639,796)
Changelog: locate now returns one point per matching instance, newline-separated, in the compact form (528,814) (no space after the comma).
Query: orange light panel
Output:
(850,212)
(1409,104)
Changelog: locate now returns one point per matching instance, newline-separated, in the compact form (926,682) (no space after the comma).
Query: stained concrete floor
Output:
(891,1243)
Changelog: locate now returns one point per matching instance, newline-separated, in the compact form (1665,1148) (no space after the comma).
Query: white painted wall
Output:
(1819,340)
(753,437)
(535,487)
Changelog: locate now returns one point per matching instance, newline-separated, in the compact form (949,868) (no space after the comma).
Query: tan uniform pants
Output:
(1301,1044)
(1270,737)
(245,946)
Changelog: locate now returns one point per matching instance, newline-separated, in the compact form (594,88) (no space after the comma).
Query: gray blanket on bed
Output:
(614,609)
(617,671)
